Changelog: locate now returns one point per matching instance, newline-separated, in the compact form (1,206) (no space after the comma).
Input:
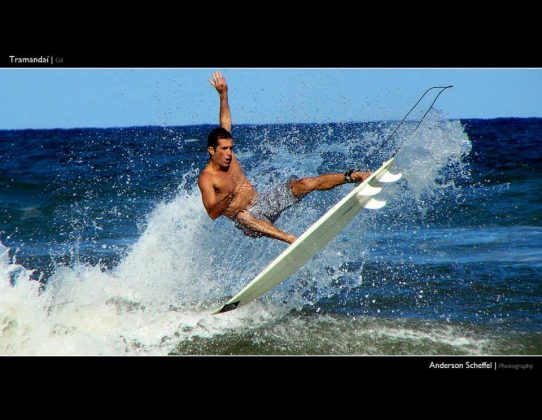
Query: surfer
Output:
(226,191)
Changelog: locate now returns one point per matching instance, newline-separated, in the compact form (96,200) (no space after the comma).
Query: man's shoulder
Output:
(206,175)
(206,172)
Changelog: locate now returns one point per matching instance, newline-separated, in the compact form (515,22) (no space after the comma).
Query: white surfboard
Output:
(315,237)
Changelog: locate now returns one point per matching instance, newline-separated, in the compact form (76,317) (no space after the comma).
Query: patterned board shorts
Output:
(270,205)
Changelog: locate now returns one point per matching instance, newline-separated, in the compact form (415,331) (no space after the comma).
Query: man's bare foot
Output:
(290,239)
(360,176)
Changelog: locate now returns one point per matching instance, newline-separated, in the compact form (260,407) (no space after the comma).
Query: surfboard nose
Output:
(226,308)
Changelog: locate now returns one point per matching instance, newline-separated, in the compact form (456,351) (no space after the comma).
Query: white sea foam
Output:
(161,293)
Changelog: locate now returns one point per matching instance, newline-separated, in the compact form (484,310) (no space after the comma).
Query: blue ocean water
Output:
(106,248)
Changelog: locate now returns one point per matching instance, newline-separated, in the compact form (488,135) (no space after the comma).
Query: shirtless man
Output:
(226,191)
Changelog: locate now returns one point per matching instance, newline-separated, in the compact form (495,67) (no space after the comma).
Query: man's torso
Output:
(225,182)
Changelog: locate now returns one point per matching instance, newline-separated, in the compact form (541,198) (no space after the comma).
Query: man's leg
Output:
(303,186)
(263,227)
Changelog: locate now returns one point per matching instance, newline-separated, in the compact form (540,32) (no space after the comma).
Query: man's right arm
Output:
(242,198)
(214,208)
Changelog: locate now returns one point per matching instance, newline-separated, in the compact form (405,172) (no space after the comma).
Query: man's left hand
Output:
(219,82)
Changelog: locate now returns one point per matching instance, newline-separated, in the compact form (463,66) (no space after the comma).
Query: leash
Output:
(442,89)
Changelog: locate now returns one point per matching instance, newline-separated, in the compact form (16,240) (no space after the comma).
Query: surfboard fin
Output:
(389,177)
(374,204)
(370,189)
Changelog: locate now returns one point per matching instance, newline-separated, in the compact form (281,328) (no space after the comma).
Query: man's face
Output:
(223,153)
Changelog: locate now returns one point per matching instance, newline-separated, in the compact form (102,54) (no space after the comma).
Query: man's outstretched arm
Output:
(219,83)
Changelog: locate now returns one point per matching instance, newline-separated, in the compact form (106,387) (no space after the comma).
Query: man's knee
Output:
(302,186)
(244,216)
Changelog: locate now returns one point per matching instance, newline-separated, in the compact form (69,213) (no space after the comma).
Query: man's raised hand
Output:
(218,81)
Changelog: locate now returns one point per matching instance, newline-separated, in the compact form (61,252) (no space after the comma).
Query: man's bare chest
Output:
(227,182)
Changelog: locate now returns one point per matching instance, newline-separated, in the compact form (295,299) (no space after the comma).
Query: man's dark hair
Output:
(217,134)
